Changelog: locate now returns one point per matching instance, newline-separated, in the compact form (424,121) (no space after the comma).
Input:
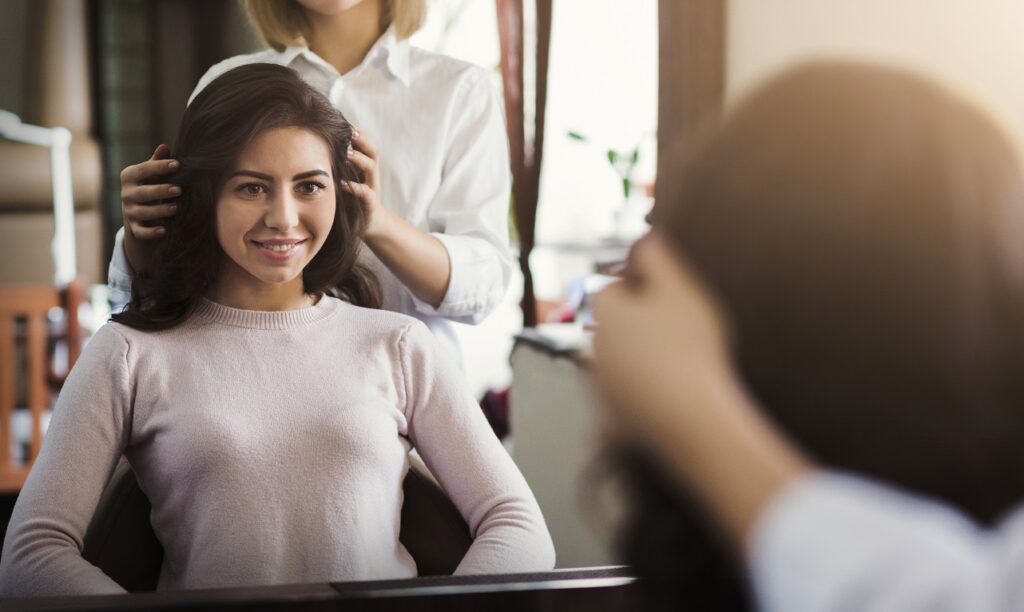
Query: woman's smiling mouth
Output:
(278,250)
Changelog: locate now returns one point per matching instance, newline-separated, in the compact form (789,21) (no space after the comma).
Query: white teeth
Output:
(279,248)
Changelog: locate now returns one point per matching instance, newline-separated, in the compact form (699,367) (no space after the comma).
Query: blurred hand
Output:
(363,155)
(659,341)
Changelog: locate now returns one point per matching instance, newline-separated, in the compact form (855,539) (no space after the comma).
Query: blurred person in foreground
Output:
(816,356)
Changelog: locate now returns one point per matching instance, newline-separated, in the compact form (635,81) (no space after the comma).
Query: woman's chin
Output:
(275,279)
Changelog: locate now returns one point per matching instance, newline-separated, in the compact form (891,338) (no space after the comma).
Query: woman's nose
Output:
(282,212)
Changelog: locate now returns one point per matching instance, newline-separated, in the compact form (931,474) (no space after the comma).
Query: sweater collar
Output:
(261,319)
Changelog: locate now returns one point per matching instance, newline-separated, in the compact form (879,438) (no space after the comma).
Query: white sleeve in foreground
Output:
(837,542)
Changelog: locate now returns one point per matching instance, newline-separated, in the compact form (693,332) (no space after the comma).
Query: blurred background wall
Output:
(976,44)
(116,73)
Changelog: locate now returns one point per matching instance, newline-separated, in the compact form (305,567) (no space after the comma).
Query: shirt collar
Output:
(388,51)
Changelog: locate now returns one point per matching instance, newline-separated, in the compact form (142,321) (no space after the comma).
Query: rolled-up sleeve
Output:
(837,542)
(469,213)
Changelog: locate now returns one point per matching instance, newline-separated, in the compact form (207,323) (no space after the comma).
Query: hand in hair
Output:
(418,259)
(144,202)
(363,155)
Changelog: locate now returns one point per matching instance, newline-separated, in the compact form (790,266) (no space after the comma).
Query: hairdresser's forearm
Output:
(415,257)
(729,454)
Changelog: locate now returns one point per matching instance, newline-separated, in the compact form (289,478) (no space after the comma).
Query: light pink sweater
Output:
(272,446)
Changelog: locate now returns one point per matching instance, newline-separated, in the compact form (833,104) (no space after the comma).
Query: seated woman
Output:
(861,229)
(265,405)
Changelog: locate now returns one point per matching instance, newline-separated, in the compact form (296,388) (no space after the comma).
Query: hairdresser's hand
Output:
(363,155)
(141,205)
(659,341)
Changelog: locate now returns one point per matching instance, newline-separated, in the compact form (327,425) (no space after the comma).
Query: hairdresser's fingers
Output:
(144,194)
(144,213)
(162,151)
(145,232)
(366,164)
(360,190)
(362,143)
(156,166)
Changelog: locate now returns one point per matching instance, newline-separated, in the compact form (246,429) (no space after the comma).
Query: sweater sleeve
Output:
(42,552)
(452,435)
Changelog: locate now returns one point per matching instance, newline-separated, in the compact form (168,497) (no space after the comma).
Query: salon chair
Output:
(121,542)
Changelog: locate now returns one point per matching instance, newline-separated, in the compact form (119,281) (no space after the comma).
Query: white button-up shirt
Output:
(444,167)
(836,542)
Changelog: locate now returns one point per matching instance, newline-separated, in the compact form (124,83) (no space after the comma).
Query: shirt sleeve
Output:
(469,212)
(836,542)
(454,439)
(42,552)
(119,275)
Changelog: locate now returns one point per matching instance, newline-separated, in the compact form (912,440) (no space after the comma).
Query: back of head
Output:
(218,124)
(862,227)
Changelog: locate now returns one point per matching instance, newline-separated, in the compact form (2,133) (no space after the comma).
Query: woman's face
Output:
(275,210)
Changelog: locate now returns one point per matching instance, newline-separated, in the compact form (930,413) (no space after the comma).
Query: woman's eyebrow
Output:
(252,173)
(267,177)
(307,174)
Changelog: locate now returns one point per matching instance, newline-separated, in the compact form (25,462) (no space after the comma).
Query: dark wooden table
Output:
(597,589)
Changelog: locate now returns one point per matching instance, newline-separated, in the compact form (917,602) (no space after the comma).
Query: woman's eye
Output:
(310,187)
(251,190)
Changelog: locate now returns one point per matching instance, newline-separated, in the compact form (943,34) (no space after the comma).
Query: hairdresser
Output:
(429,140)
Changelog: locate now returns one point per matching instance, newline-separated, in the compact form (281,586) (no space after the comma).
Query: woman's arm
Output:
(452,435)
(461,268)
(42,552)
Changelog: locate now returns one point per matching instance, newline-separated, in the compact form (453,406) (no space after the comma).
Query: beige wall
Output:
(977,44)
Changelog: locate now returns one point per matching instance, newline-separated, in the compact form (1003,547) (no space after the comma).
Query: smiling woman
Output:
(244,172)
(268,422)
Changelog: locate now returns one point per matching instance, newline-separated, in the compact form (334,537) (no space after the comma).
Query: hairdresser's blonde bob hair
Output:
(282,23)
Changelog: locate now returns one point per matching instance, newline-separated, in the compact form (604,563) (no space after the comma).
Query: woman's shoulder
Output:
(374,320)
(118,333)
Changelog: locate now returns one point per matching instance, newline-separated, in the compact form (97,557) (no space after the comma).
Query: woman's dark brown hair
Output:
(863,229)
(219,123)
